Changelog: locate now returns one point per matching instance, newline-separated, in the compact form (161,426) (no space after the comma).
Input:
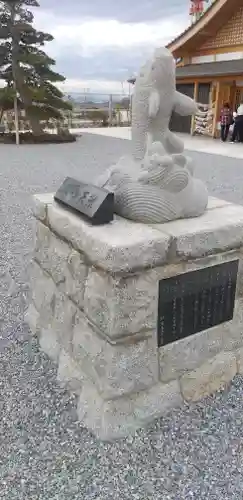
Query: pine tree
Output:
(26,68)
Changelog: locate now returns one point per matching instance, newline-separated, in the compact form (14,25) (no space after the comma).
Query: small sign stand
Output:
(95,204)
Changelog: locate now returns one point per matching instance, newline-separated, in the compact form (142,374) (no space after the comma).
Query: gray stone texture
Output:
(217,230)
(51,252)
(198,348)
(32,318)
(216,203)
(213,375)
(62,262)
(63,321)
(39,208)
(115,369)
(69,374)
(239,357)
(94,310)
(120,417)
(121,306)
(43,293)
(49,343)
(118,246)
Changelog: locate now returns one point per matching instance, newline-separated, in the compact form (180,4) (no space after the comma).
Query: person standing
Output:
(238,126)
(226,118)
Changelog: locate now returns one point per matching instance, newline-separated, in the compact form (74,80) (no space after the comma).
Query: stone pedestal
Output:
(95,310)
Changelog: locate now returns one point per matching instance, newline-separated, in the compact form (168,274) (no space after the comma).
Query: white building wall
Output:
(227,56)
(202,59)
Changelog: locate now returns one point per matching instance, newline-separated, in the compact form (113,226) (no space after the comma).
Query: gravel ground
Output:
(195,453)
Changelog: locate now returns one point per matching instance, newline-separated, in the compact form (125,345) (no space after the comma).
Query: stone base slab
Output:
(94,309)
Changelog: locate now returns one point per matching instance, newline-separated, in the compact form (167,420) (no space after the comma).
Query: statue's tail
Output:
(146,203)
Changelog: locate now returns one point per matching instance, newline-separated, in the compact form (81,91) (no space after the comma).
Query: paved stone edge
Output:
(159,245)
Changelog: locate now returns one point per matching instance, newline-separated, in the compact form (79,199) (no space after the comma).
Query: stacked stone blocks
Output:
(94,309)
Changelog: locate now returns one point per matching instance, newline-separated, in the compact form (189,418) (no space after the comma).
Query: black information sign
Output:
(94,203)
(196,301)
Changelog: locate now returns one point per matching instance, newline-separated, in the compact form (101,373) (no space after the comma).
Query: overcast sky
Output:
(100,43)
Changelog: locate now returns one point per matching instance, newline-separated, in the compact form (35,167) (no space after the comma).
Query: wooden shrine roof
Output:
(207,26)
(213,69)
(220,68)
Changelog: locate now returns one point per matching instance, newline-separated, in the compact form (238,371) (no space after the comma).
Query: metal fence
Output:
(96,109)
(89,109)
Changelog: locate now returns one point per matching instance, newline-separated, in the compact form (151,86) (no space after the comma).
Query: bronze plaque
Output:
(195,301)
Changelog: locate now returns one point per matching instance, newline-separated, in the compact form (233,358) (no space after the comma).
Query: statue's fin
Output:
(184,105)
(154,103)
(179,159)
(184,162)
(172,143)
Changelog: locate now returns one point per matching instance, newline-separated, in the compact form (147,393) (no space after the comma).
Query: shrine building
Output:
(209,63)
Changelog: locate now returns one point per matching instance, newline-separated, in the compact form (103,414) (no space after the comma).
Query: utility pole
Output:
(16,118)
(14,64)
(110,110)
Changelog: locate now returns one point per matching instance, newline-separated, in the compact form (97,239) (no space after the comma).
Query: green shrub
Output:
(29,138)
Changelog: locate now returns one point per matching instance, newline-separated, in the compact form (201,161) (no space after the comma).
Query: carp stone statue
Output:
(155,184)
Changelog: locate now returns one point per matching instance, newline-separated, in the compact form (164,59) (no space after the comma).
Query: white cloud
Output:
(99,54)
(86,38)
(88,35)
(126,11)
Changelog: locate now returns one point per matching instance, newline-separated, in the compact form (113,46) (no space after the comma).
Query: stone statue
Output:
(156,184)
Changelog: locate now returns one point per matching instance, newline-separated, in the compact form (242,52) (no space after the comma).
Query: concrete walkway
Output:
(199,144)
